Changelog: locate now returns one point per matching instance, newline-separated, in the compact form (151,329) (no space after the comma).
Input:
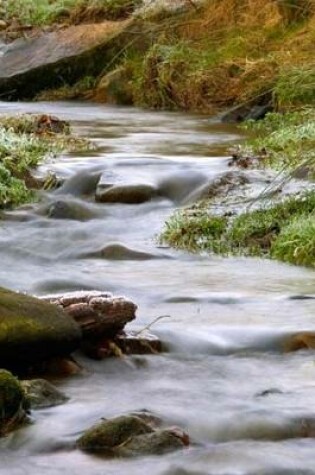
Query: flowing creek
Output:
(226,378)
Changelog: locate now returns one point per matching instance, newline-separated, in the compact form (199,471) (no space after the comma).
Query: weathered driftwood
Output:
(99,314)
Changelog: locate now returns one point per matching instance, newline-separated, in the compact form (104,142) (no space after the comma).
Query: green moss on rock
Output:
(12,401)
(32,330)
(110,433)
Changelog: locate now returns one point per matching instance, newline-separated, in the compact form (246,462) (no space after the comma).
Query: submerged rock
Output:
(131,436)
(133,343)
(32,330)
(12,402)
(67,209)
(117,252)
(124,343)
(40,394)
(127,194)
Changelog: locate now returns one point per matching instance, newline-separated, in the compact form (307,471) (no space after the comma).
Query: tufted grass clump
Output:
(285,141)
(24,144)
(195,231)
(296,241)
(285,231)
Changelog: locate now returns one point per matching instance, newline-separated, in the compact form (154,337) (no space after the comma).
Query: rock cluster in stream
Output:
(102,318)
(131,435)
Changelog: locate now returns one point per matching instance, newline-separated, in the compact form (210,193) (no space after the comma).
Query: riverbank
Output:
(25,142)
(277,221)
(202,57)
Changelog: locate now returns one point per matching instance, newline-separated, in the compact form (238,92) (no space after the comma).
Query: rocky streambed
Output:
(235,377)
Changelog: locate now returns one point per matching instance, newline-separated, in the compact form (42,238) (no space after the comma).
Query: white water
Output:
(229,320)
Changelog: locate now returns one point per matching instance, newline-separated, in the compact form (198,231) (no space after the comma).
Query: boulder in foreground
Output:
(32,331)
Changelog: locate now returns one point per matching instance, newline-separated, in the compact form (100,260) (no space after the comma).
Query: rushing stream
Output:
(247,404)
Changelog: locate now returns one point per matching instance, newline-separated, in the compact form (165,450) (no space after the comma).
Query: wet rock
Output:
(117,252)
(148,417)
(111,433)
(300,341)
(13,403)
(131,436)
(32,330)
(179,185)
(219,186)
(3,25)
(67,209)
(159,442)
(40,394)
(51,125)
(268,392)
(252,110)
(124,343)
(63,56)
(99,314)
(133,343)
(81,184)
(127,194)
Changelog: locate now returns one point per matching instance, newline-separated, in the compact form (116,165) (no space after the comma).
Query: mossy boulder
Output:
(132,435)
(108,434)
(12,402)
(32,330)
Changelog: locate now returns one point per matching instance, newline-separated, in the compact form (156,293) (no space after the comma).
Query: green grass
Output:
(195,231)
(47,12)
(284,141)
(22,149)
(296,241)
(285,231)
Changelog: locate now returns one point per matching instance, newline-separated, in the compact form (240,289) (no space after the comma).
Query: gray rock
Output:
(29,66)
(67,209)
(127,194)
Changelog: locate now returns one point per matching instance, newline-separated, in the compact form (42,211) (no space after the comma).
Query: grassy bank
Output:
(228,52)
(39,13)
(25,141)
(285,231)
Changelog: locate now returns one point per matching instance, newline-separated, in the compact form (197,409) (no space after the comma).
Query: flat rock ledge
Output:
(99,314)
(102,318)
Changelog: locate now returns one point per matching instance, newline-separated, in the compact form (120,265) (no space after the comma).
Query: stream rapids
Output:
(248,405)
